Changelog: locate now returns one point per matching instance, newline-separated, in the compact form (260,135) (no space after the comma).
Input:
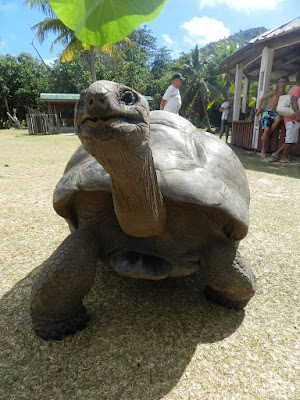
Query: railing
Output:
(242,133)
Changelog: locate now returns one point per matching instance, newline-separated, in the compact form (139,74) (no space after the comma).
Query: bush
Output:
(4,124)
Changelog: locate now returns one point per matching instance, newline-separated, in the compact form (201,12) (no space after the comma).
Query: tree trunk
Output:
(206,114)
(93,63)
(6,104)
(15,119)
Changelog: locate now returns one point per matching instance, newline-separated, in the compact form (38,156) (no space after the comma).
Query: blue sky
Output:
(181,25)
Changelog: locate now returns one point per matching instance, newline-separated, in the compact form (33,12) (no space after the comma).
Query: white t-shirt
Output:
(173,99)
(225,112)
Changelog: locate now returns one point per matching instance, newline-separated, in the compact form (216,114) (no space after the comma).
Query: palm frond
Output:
(42,6)
(53,26)
(73,50)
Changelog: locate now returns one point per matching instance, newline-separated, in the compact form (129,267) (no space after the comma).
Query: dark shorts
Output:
(224,122)
(267,118)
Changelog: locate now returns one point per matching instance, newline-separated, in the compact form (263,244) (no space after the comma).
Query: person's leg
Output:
(263,141)
(227,132)
(291,137)
(277,153)
(286,150)
(265,125)
(222,130)
(275,124)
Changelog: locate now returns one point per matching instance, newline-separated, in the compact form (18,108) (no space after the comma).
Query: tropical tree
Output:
(105,22)
(22,79)
(69,76)
(196,89)
(73,47)
(213,58)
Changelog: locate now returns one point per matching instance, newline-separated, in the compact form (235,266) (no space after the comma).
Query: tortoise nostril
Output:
(91,102)
(101,100)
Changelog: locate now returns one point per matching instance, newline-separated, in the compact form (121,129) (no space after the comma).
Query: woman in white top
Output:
(171,100)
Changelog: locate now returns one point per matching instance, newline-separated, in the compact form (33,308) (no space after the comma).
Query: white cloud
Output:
(49,61)
(244,5)
(204,30)
(172,45)
(167,39)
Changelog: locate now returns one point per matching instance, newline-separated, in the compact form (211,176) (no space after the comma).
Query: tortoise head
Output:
(113,125)
(108,110)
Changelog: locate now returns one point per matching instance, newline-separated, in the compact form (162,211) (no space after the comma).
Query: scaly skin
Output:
(230,282)
(66,277)
(154,223)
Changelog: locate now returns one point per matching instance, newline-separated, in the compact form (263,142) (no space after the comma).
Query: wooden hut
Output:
(264,59)
(62,104)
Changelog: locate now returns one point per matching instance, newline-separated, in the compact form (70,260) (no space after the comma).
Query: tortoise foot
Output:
(56,330)
(221,300)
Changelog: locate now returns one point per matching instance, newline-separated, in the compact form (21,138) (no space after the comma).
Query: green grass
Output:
(147,340)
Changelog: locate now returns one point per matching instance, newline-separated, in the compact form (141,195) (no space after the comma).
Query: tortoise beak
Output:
(106,102)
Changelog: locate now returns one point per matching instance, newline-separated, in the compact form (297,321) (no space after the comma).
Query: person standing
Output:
(270,119)
(225,125)
(292,125)
(171,100)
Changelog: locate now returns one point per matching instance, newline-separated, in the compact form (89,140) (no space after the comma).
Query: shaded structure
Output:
(62,104)
(264,59)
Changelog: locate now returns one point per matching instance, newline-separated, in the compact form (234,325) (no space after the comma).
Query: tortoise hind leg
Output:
(66,277)
(230,281)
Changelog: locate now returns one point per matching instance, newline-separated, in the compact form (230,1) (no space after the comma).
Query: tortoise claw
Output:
(221,300)
(56,330)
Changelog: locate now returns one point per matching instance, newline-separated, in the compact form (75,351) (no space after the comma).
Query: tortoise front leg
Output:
(57,293)
(230,281)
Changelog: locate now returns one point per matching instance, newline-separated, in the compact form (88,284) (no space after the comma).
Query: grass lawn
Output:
(148,340)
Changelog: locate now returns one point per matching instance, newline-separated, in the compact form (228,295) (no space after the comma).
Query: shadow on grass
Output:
(251,160)
(141,337)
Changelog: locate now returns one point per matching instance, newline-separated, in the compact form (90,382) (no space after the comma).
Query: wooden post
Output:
(245,95)
(263,86)
(237,93)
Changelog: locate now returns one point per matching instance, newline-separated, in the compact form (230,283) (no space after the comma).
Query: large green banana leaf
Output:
(98,22)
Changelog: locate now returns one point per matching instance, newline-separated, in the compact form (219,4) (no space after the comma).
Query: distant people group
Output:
(270,119)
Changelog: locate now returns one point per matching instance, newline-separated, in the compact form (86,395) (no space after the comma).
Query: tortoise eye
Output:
(128,97)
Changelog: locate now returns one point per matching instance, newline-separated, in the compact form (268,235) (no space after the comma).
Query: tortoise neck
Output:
(138,202)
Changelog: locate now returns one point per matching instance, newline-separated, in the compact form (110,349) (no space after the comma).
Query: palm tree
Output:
(220,52)
(72,46)
(196,88)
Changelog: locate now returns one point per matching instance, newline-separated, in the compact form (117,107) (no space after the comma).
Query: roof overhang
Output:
(286,45)
(66,98)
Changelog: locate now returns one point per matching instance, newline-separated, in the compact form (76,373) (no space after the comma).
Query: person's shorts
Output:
(224,122)
(291,131)
(267,118)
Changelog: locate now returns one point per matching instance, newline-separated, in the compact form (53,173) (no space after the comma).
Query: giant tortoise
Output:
(152,197)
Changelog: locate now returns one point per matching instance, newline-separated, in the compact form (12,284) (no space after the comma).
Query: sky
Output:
(180,26)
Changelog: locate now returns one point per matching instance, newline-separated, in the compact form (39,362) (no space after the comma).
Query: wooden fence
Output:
(41,123)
